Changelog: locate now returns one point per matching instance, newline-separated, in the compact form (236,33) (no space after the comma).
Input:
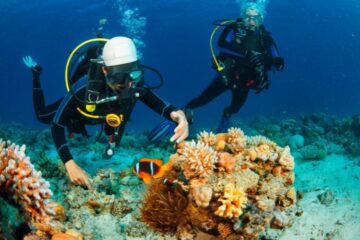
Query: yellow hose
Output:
(72,54)
(218,67)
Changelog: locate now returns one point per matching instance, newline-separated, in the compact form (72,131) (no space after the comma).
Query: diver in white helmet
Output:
(106,95)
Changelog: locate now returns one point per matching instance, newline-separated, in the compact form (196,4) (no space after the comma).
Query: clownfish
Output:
(148,168)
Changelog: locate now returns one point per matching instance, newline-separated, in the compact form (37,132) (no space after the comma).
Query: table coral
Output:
(231,188)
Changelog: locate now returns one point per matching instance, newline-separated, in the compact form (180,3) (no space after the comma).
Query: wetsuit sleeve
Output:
(226,39)
(157,104)
(65,114)
(277,61)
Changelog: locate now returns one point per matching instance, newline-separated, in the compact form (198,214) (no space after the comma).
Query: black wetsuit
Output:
(63,113)
(239,74)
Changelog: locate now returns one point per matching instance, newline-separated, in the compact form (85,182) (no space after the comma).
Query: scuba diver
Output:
(247,53)
(105,93)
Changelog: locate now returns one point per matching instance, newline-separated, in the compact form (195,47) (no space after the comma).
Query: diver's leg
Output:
(43,113)
(215,88)
(238,99)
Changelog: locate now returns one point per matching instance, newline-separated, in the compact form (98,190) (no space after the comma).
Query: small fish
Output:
(103,21)
(148,168)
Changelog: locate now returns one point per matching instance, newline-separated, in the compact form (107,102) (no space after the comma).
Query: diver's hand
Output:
(262,85)
(182,129)
(279,63)
(76,174)
(31,63)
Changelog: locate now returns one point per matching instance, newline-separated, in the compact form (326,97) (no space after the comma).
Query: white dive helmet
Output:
(119,50)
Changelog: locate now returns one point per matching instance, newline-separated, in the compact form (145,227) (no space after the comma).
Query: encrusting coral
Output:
(23,184)
(228,184)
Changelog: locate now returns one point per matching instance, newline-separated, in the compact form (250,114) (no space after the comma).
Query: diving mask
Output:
(252,19)
(122,77)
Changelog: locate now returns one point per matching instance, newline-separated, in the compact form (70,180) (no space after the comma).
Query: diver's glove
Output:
(262,85)
(31,63)
(278,63)
(240,31)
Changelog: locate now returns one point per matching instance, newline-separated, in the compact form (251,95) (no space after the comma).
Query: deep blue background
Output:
(320,41)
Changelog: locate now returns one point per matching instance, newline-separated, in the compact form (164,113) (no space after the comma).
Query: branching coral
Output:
(200,160)
(207,137)
(23,183)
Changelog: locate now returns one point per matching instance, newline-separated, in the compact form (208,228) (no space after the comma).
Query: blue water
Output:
(320,43)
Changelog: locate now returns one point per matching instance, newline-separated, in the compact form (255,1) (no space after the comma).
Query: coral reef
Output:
(228,184)
(23,184)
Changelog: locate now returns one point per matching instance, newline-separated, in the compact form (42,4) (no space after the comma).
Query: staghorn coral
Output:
(238,194)
(232,201)
(23,183)
(200,160)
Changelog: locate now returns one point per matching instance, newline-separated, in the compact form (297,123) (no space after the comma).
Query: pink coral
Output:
(226,162)
(19,179)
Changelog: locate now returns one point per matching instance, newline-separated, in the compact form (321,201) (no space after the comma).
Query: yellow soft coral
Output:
(199,160)
(233,201)
(19,179)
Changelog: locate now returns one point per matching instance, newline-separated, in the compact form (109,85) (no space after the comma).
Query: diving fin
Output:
(224,124)
(162,130)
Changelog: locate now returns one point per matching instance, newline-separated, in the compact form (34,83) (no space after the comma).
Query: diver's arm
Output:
(157,104)
(58,135)
(226,39)
(277,61)
(62,119)
(181,132)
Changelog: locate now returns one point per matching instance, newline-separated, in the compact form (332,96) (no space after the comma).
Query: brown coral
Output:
(224,229)
(19,179)
(163,207)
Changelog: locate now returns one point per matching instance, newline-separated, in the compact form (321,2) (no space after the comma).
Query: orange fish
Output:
(148,168)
